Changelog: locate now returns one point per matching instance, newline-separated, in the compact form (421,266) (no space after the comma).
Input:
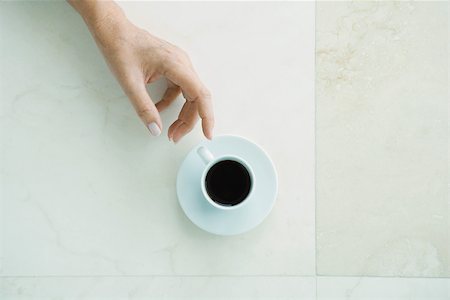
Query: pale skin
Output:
(137,58)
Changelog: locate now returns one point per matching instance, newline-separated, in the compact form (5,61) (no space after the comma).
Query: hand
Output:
(137,58)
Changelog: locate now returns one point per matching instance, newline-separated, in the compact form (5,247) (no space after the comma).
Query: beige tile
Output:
(382,138)
(370,288)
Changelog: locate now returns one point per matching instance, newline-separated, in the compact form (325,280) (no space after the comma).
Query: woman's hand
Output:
(137,58)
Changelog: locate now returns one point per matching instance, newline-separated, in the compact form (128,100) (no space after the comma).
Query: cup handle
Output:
(205,155)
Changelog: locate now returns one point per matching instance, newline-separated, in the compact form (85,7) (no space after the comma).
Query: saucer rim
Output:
(262,218)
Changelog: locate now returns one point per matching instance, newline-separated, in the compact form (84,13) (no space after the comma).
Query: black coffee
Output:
(228,182)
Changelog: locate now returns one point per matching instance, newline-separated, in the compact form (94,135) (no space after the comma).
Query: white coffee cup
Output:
(209,160)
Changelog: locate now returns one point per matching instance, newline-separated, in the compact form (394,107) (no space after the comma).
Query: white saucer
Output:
(239,220)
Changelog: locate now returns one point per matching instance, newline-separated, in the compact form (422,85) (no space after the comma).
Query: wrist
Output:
(105,20)
(93,11)
(99,15)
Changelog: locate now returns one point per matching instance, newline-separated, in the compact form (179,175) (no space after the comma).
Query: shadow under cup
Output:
(228,182)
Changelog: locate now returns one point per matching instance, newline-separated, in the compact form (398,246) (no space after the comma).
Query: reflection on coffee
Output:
(228,182)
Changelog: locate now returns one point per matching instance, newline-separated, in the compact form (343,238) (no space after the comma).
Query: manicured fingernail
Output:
(154,129)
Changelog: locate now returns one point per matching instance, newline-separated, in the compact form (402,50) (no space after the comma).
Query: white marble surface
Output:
(382,138)
(86,191)
(87,202)
(372,288)
(208,287)
(192,288)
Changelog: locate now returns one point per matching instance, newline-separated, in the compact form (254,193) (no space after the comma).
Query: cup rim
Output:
(219,159)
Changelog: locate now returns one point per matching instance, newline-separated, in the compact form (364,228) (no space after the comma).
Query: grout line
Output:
(317,290)
(218,276)
(316,295)
(315,142)
(379,277)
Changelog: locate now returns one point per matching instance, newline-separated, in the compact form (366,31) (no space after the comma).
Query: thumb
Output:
(145,108)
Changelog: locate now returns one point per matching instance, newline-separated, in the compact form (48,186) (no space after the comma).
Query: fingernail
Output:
(154,129)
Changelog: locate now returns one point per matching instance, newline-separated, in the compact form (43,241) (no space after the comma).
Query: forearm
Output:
(105,19)
(94,12)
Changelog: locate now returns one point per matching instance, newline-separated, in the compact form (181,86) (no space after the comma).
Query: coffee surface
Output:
(228,182)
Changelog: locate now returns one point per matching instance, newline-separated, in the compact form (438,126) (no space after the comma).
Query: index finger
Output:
(194,90)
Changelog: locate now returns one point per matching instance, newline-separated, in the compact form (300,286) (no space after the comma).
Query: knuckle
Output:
(175,89)
(181,53)
(143,112)
(209,120)
(189,126)
(175,54)
(205,93)
(202,95)
(166,58)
